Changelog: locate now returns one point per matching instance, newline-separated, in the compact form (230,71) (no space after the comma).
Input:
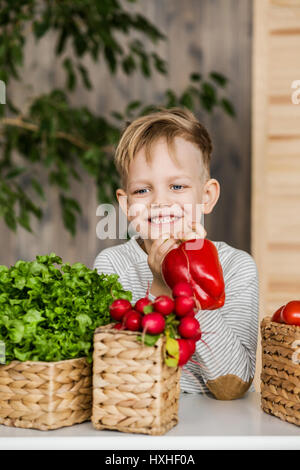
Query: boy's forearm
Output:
(232,339)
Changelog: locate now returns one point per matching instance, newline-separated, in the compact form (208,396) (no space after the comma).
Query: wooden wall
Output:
(276,154)
(202,36)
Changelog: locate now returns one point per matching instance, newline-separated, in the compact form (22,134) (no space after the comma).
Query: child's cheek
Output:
(137,217)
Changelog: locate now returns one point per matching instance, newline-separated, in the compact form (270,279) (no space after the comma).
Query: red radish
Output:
(118,326)
(153,323)
(133,320)
(188,327)
(192,345)
(126,315)
(183,305)
(123,320)
(184,351)
(163,304)
(182,288)
(192,313)
(118,308)
(141,303)
(198,336)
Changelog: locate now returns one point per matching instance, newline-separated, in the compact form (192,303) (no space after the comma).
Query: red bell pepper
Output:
(197,262)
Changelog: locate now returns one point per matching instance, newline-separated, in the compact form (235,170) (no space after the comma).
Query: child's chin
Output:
(156,232)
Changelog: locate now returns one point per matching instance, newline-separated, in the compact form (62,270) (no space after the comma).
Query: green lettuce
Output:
(49,313)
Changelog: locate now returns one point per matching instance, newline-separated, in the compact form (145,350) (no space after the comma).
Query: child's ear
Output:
(122,200)
(211,195)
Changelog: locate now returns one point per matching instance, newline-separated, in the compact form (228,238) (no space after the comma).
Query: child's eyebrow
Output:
(132,183)
(173,177)
(169,179)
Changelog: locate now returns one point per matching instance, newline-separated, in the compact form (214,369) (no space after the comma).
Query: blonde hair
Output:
(168,123)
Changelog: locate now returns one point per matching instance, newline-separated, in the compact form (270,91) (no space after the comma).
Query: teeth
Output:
(163,220)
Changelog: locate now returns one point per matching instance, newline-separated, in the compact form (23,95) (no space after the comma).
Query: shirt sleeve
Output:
(128,278)
(227,353)
(103,264)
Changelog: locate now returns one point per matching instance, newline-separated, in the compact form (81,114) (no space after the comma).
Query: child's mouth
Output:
(163,220)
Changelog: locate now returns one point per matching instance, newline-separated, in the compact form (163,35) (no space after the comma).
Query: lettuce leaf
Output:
(49,310)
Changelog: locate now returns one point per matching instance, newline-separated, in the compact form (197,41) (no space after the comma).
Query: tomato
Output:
(276,316)
(291,313)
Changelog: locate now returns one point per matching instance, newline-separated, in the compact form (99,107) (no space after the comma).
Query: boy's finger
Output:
(198,231)
(165,246)
(188,235)
(160,247)
(198,228)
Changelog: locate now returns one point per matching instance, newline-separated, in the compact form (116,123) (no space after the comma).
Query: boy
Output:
(164,162)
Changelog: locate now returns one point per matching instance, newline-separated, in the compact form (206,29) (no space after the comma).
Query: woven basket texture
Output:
(280,377)
(133,389)
(45,395)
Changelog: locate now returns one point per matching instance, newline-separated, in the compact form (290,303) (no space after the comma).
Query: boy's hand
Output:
(157,252)
(196,231)
(161,246)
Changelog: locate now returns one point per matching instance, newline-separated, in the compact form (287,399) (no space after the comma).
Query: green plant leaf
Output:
(171,362)
(172,347)
(195,77)
(85,76)
(187,100)
(149,340)
(38,188)
(218,78)
(132,106)
(171,98)
(148,309)
(17,171)
(71,77)
(128,64)
(228,107)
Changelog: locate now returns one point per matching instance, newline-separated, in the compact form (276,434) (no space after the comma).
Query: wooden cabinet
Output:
(275,232)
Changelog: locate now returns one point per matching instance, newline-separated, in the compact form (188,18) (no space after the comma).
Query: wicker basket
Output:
(280,377)
(45,395)
(133,390)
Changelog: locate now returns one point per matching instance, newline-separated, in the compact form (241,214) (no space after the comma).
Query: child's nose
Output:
(161,197)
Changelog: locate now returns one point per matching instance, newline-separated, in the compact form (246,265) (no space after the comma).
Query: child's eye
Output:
(177,186)
(140,191)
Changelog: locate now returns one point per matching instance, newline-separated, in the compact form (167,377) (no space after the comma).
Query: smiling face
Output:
(165,194)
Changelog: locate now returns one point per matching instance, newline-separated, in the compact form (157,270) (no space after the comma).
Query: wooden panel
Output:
(281,23)
(285,184)
(282,146)
(283,69)
(282,223)
(283,260)
(284,119)
(276,153)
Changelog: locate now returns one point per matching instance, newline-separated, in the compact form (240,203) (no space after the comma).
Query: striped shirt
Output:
(229,333)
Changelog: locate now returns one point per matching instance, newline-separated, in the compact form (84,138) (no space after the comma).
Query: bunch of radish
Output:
(172,317)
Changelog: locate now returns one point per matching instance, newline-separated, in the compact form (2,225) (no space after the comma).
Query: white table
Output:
(204,423)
